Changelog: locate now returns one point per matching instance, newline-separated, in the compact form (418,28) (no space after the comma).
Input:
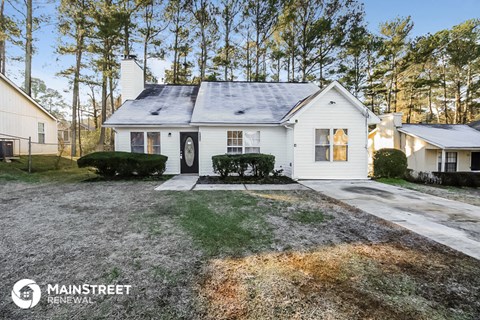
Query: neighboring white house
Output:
(313,133)
(22,117)
(429,147)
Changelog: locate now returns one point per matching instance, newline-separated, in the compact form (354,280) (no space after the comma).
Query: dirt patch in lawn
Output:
(223,254)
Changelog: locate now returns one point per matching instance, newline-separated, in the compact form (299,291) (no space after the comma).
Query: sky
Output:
(429,16)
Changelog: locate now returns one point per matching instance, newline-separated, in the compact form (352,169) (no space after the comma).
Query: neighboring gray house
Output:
(313,133)
(430,147)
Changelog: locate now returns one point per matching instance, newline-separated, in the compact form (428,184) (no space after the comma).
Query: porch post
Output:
(443,161)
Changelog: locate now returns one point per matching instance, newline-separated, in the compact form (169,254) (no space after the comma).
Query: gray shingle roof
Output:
(248,102)
(157,105)
(445,136)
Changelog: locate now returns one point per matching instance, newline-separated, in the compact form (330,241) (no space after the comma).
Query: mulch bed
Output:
(245,180)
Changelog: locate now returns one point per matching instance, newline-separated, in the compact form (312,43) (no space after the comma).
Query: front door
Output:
(475,161)
(189,152)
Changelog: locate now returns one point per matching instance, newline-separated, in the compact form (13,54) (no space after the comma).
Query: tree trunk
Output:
(76,82)
(445,104)
(79,129)
(227,44)
(458,102)
(175,56)
(468,110)
(2,41)
(101,141)
(112,106)
(28,48)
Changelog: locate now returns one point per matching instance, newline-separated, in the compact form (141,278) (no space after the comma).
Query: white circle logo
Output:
(26,293)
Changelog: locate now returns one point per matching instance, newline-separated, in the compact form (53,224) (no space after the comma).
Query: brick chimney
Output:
(131,78)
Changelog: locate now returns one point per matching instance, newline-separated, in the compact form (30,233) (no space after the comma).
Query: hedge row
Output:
(110,164)
(389,163)
(456,179)
(256,164)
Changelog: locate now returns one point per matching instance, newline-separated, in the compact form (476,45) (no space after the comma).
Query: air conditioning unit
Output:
(6,149)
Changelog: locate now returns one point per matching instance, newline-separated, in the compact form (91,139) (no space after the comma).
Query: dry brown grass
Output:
(351,281)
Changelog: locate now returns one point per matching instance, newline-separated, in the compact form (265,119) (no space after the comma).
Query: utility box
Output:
(6,149)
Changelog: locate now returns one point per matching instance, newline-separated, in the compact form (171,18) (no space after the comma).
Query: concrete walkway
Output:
(181,182)
(452,223)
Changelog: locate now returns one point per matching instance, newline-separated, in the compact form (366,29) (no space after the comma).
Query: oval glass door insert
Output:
(189,151)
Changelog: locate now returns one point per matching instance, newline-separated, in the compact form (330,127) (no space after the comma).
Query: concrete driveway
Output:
(452,223)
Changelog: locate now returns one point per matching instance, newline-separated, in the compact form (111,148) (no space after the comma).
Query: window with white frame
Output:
(41,132)
(153,142)
(137,142)
(252,141)
(331,145)
(450,161)
(322,145)
(239,142)
(340,144)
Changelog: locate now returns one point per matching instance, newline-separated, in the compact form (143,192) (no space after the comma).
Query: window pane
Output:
(322,153)
(234,139)
(153,138)
(252,139)
(322,136)
(234,150)
(153,142)
(137,142)
(41,138)
(340,136)
(252,150)
(41,127)
(340,153)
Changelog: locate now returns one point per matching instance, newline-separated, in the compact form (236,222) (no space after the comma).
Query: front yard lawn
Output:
(223,255)
(44,169)
(467,195)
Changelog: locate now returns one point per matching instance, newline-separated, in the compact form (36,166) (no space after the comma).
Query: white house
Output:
(313,133)
(430,147)
(22,117)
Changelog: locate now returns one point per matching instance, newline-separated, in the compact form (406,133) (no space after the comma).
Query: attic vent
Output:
(155,113)
(239,112)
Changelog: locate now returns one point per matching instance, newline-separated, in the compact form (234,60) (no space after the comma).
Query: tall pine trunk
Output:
(29,48)
(3,50)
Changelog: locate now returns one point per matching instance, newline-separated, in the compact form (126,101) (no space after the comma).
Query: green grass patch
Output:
(45,168)
(397,182)
(222,221)
(309,216)
(113,274)
(50,168)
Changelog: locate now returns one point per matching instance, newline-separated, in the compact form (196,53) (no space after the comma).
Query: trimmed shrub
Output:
(222,164)
(456,179)
(389,163)
(257,164)
(124,164)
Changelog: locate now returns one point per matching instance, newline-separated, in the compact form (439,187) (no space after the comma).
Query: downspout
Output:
(293,158)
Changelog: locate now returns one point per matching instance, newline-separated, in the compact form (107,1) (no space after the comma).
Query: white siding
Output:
(213,141)
(131,80)
(20,117)
(169,146)
(323,115)
(290,136)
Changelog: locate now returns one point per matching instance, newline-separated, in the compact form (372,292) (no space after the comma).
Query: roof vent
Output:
(239,112)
